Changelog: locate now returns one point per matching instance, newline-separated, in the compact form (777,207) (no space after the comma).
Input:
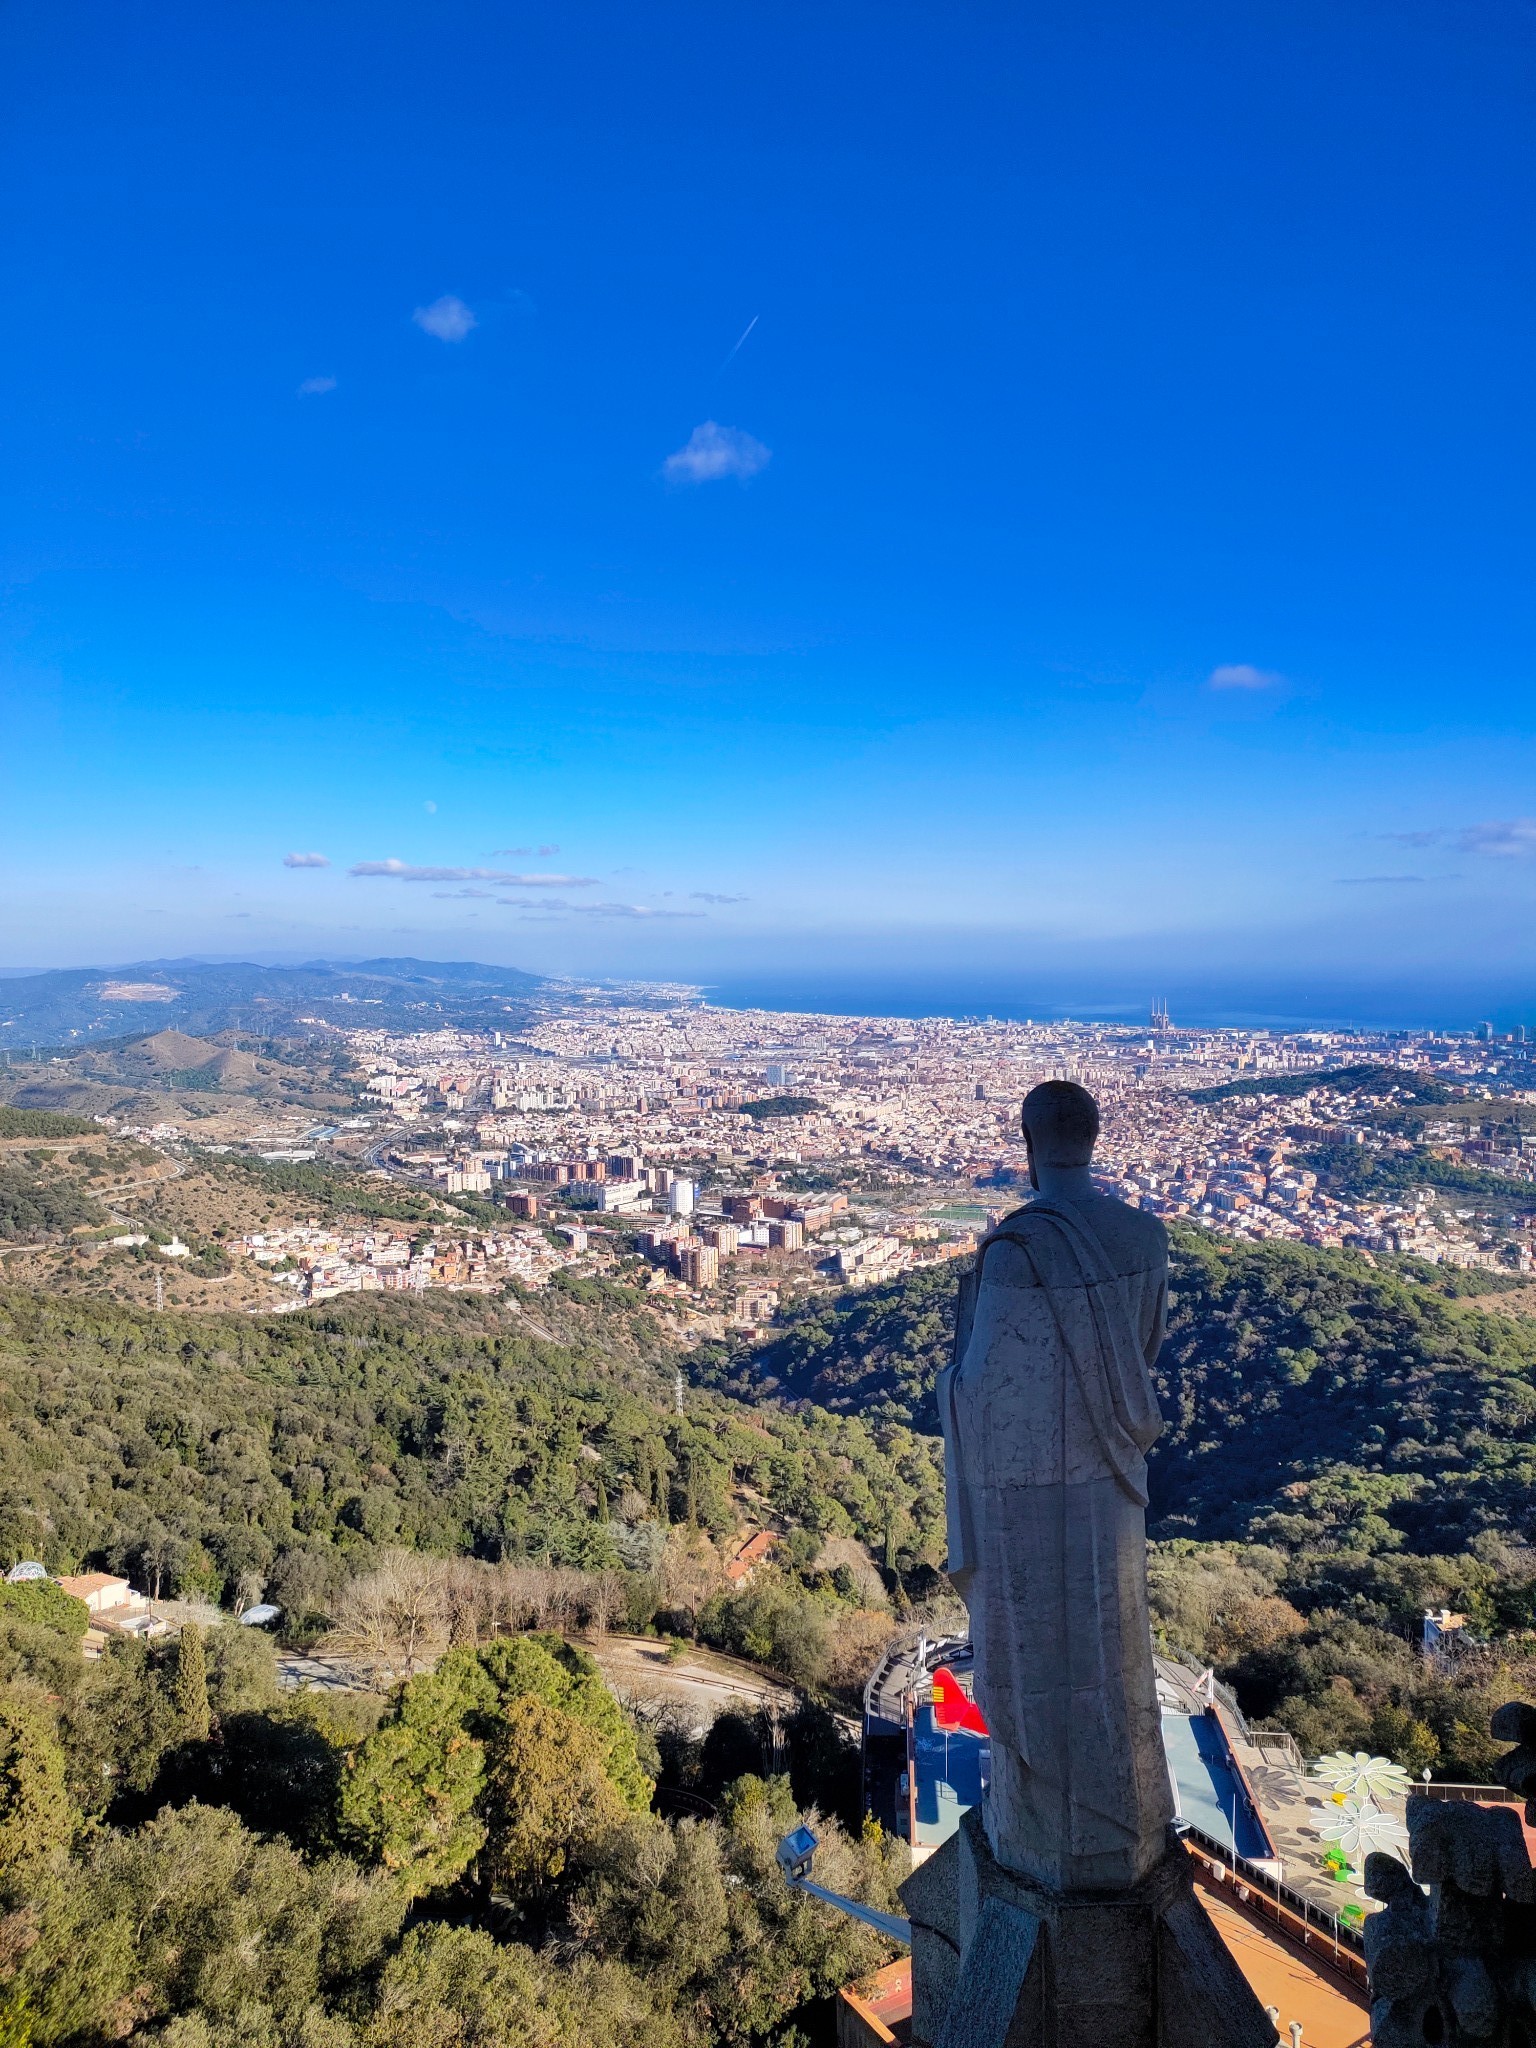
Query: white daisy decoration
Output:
(1363,1776)
(1359,1828)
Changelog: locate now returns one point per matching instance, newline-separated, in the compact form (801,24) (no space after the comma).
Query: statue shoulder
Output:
(1151,1229)
(1006,1262)
(1135,1239)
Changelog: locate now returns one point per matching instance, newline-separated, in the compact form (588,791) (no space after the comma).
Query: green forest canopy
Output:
(45,1123)
(188,1855)
(218,1445)
(34,1208)
(1369,1077)
(1285,1370)
(1386,1176)
(1344,1446)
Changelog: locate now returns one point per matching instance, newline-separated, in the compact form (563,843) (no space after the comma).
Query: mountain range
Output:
(84,1005)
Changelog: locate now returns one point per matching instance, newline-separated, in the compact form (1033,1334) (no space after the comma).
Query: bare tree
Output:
(397,1617)
(690,1573)
(470,1592)
(407,1610)
(604,1601)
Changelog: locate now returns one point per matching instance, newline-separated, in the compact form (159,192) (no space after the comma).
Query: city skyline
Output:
(1028,499)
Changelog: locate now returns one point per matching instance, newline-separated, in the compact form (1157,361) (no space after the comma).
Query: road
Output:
(299,1671)
(636,1668)
(107,1197)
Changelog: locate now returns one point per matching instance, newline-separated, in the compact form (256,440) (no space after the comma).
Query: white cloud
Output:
(400,871)
(1503,838)
(628,910)
(1497,838)
(316,387)
(555,907)
(713,452)
(305,860)
(1371,881)
(542,851)
(710,896)
(1242,675)
(448,318)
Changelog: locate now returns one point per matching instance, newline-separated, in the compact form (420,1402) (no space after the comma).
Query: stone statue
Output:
(1452,1959)
(1048,1414)
(1064,1915)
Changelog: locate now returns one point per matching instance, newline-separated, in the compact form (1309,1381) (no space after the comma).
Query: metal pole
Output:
(884,1923)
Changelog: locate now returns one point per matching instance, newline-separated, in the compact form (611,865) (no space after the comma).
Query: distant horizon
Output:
(1192,1006)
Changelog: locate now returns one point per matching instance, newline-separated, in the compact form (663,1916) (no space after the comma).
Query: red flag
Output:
(952,1710)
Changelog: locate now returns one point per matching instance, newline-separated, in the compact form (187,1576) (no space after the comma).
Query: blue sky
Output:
(1109,547)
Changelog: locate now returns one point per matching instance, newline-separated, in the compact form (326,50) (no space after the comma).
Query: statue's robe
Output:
(1048,1413)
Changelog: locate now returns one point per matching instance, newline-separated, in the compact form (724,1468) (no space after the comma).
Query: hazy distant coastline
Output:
(1278,1007)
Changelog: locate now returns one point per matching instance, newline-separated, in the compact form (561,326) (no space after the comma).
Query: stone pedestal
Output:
(999,1962)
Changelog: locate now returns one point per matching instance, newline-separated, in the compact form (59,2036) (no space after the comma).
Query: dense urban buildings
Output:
(729,1149)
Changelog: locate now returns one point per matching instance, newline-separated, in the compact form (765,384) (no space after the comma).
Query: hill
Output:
(82,1005)
(1368,1077)
(1291,1381)
(190,1855)
(73,1216)
(1343,1447)
(296,1446)
(165,1051)
(872,1353)
(171,1076)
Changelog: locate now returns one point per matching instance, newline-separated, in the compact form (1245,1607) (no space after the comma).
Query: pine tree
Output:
(602,1499)
(36,1815)
(190,1691)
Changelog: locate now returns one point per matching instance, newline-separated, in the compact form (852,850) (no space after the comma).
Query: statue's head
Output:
(1061,1123)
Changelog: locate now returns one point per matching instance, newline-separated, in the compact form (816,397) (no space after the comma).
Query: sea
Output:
(1276,1006)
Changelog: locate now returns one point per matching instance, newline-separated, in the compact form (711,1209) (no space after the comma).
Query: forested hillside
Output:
(1310,1399)
(201,1448)
(188,1857)
(873,1353)
(1344,1446)
(1301,1390)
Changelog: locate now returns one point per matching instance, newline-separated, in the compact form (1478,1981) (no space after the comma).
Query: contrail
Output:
(744,333)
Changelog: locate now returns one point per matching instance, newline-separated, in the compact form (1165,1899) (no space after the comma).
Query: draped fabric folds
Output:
(1048,1412)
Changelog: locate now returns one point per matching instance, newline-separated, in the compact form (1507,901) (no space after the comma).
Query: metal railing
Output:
(1280,1740)
(1480,1795)
(1222,1692)
(1326,1937)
